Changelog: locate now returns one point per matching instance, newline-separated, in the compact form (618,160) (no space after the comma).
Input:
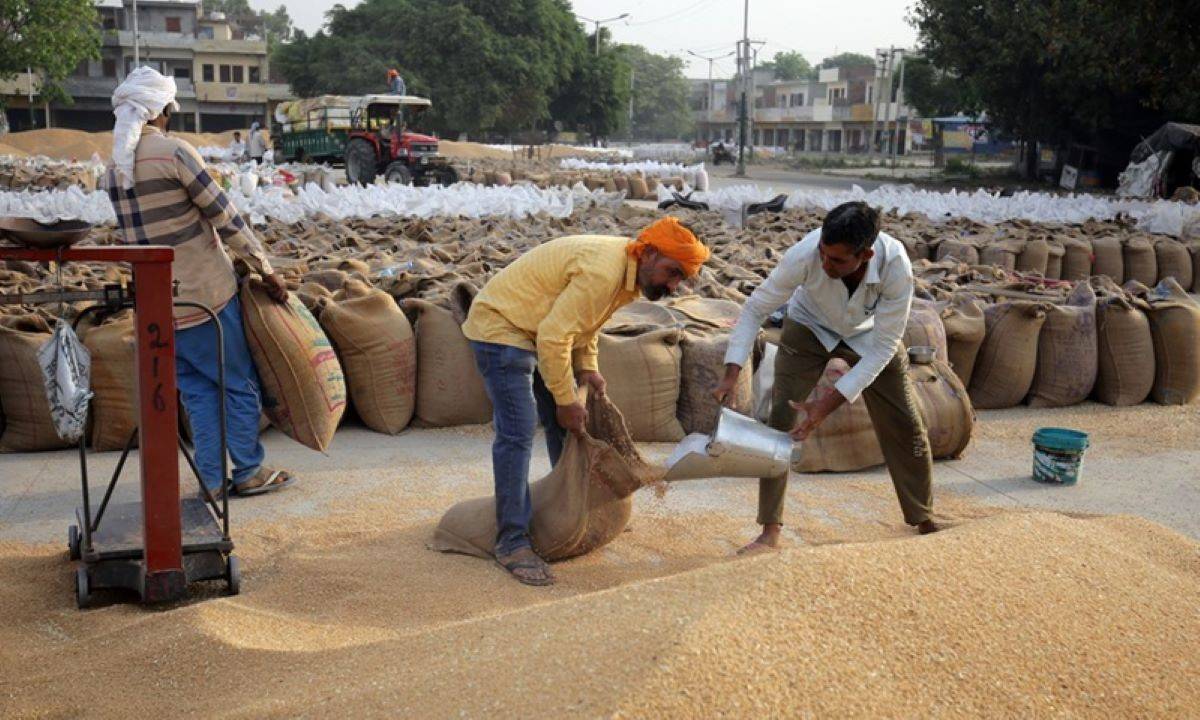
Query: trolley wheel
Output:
(73,542)
(233,574)
(83,595)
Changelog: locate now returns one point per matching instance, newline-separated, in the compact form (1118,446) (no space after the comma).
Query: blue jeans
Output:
(196,370)
(519,398)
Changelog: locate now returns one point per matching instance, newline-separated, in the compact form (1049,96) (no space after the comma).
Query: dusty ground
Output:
(345,613)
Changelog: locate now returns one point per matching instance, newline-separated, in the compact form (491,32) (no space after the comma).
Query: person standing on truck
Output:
(396,84)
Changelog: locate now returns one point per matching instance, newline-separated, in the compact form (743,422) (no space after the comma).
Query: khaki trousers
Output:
(890,401)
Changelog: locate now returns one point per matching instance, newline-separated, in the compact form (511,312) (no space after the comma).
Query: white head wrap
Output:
(141,97)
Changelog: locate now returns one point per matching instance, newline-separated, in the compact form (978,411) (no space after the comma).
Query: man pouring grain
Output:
(162,194)
(848,289)
(534,330)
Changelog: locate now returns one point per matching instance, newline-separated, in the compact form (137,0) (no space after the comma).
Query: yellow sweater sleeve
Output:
(579,308)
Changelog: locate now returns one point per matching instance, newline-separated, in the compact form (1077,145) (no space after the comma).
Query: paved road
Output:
(784,180)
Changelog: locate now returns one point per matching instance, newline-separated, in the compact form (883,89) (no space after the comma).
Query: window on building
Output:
(206,72)
(226,73)
(109,22)
(109,66)
(174,24)
(183,73)
(205,32)
(255,74)
(81,70)
(239,74)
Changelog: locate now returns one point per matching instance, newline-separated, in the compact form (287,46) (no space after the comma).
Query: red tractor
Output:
(380,143)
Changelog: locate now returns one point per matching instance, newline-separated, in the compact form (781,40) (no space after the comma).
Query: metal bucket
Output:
(740,447)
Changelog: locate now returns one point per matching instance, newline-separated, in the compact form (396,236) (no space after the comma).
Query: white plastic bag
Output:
(67,370)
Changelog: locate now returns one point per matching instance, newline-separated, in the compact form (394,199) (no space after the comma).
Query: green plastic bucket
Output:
(1058,455)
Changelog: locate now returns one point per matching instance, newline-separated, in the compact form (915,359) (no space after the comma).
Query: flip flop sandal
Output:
(270,484)
(538,564)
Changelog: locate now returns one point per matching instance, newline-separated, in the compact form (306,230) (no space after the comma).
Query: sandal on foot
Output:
(264,481)
(526,559)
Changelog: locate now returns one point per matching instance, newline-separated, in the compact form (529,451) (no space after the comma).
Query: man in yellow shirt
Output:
(534,329)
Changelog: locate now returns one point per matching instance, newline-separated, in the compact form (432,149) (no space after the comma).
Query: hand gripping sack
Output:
(303,388)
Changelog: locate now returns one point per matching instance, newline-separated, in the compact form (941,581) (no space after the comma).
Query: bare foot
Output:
(527,567)
(928,526)
(768,541)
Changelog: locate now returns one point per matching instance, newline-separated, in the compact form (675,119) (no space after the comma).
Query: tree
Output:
(791,65)
(661,107)
(50,36)
(597,95)
(1098,71)
(847,60)
(277,25)
(934,92)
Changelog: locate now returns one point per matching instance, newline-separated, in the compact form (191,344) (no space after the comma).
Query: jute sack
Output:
(1140,263)
(702,366)
(376,344)
(1034,257)
(1008,358)
(1125,351)
(1067,352)
(945,406)
(1054,260)
(639,316)
(844,441)
(1174,261)
(1001,253)
(1175,326)
(303,388)
(27,423)
(925,328)
(583,504)
(962,318)
(637,188)
(1077,259)
(1108,258)
(450,390)
(643,382)
(114,408)
(959,250)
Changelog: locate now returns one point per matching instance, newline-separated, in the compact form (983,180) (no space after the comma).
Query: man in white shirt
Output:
(848,289)
(237,148)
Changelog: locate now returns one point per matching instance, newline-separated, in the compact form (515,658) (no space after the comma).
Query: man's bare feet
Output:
(928,526)
(768,541)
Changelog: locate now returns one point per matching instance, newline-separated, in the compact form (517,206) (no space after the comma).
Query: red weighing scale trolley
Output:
(157,546)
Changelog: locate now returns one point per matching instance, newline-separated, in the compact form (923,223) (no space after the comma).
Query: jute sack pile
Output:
(643,374)
(375,342)
(1140,262)
(1174,261)
(945,406)
(637,188)
(303,388)
(114,411)
(583,504)
(1002,254)
(1175,326)
(925,328)
(1067,352)
(450,390)
(1034,257)
(962,319)
(1108,258)
(845,441)
(958,249)
(28,425)
(1008,358)
(706,322)
(1125,348)
(1054,260)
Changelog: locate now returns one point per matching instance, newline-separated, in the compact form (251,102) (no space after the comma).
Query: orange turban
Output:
(672,240)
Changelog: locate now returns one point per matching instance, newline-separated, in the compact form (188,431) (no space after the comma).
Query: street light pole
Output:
(598,23)
(744,65)
(709,87)
(137,55)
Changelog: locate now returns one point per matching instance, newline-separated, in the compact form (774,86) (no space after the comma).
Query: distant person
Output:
(848,288)
(396,84)
(534,329)
(258,144)
(237,148)
(163,194)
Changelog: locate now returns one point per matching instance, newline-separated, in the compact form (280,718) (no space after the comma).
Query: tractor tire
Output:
(398,172)
(360,162)
(444,176)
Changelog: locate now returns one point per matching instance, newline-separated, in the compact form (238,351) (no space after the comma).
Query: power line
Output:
(668,16)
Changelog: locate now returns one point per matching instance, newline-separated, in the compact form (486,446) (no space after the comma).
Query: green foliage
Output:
(847,60)
(791,65)
(1064,70)
(660,94)
(935,93)
(276,25)
(958,166)
(597,96)
(50,36)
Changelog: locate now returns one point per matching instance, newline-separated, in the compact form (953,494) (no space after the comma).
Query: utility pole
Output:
(631,74)
(137,54)
(598,23)
(887,108)
(743,65)
(32,117)
(899,97)
(882,79)
(709,87)
(753,92)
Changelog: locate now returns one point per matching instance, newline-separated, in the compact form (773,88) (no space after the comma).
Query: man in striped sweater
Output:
(163,195)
